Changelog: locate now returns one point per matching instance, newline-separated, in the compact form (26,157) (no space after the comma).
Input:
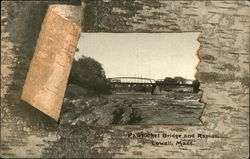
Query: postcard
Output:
(125,79)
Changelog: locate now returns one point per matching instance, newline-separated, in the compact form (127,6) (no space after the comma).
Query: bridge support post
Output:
(156,90)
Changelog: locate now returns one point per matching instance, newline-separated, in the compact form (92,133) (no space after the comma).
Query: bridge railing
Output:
(131,80)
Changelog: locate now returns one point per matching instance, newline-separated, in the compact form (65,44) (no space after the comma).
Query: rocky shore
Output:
(81,106)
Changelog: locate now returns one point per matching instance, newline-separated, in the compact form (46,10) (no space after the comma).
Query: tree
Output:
(175,80)
(169,80)
(196,85)
(88,73)
(180,80)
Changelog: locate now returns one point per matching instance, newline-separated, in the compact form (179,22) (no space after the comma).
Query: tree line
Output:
(176,80)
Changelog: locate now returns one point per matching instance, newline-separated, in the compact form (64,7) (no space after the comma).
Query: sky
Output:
(148,55)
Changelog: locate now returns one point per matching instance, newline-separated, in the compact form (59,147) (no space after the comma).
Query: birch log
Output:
(47,77)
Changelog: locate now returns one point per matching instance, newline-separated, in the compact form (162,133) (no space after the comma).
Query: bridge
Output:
(155,84)
(143,81)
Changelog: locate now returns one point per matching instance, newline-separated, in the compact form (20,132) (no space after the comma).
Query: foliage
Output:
(180,80)
(175,80)
(88,73)
(196,82)
(170,80)
(196,85)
